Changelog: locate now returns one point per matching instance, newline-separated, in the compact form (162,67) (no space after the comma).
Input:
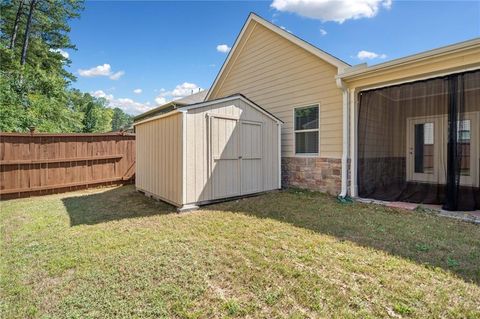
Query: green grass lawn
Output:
(113,253)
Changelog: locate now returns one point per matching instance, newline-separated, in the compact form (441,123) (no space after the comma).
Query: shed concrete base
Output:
(195,206)
(187,208)
(156,197)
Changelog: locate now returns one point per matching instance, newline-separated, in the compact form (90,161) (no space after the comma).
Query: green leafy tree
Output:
(96,118)
(121,120)
(35,86)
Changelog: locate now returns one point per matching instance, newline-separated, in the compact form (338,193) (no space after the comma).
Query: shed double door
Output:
(235,156)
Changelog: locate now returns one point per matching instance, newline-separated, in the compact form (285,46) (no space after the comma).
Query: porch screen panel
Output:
(417,142)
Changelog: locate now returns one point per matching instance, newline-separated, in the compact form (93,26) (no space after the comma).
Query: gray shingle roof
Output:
(194,98)
(167,107)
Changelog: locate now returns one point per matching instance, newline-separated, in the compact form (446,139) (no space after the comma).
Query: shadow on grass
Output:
(113,204)
(419,236)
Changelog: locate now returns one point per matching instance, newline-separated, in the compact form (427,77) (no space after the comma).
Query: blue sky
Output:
(167,49)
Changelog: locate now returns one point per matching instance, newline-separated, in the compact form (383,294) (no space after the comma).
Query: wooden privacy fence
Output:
(37,164)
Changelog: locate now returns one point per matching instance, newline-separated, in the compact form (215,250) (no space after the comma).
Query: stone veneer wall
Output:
(322,174)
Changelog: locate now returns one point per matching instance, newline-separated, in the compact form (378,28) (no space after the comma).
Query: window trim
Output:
(317,154)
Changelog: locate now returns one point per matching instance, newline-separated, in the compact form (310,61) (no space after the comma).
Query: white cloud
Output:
(332,10)
(223,48)
(185,89)
(130,106)
(100,93)
(160,100)
(116,75)
(180,91)
(61,52)
(323,32)
(284,28)
(127,105)
(363,55)
(137,91)
(101,70)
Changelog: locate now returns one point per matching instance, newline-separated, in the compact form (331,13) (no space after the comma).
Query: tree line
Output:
(35,87)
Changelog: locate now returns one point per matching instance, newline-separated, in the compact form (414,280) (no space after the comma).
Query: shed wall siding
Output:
(279,75)
(198,181)
(159,158)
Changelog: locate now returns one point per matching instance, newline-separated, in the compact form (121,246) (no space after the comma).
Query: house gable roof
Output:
(253,18)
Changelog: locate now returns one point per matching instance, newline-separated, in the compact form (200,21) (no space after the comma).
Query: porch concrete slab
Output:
(476,213)
(403,205)
(471,216)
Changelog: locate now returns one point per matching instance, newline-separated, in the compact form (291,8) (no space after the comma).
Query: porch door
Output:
(468,146)
(424,146)
(225,157)
(251,157)
(427,145)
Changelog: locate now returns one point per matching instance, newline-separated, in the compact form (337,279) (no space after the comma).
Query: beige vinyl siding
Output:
(279,75)
(159,158)
(198,181)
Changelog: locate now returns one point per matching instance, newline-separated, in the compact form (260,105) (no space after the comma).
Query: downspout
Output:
(345,151)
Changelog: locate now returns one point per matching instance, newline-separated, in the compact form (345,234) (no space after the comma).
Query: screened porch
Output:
(419,142)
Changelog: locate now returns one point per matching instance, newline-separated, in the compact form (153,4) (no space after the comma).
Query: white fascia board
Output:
(159,116)
(230,98)
(353,72)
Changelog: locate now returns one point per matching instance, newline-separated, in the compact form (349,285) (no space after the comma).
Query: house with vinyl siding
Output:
(406,129)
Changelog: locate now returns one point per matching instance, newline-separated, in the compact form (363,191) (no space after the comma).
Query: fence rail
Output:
(37,164)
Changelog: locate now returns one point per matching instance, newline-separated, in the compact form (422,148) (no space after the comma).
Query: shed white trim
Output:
(341,65)
(184,157)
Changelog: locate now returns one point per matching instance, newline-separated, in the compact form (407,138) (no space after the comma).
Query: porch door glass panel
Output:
(468,149)
(463,145)
(424,148)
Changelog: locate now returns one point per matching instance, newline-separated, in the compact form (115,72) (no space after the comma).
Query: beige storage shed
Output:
(208,151)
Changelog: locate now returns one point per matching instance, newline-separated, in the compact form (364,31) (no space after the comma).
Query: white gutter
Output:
(346,140)
(279,132)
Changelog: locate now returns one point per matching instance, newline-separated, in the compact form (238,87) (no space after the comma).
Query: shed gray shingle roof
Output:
(167,107)
(194,98)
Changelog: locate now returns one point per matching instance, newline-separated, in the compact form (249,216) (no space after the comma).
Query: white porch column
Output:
(353,142)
